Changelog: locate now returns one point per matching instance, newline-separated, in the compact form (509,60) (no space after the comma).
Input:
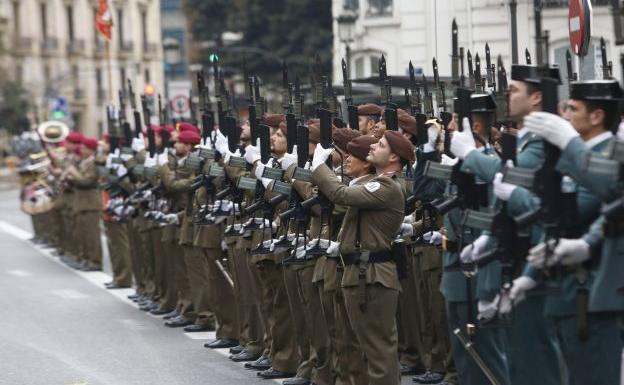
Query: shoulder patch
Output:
(372,186)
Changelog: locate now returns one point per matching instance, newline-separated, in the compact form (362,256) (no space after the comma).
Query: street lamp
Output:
(346,32)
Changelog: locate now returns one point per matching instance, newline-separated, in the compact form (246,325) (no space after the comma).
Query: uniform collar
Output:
(596,140)
(355,180)
(522,132)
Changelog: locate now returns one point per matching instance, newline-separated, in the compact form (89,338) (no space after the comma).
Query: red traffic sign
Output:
(180,104)
(579,22)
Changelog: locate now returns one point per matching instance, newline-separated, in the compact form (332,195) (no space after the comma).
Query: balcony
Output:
(99,49)
(49,46)
(76,47)
(150,50)
(79,95)
(126,49)
(565,3)
(22,46)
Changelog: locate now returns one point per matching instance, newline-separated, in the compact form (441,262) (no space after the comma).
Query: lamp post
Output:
(346,33)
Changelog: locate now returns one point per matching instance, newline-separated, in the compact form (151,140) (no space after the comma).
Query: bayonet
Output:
(527,54)
(382,80)
(348,92)
(416,105)
(462,78)
(477,75)
(286,97)
(299,99)
(138,126)
(572,76)
(454,52)
(490,69)
(440,92)
(428,100)
(192,107)
(471,77)
(607,66)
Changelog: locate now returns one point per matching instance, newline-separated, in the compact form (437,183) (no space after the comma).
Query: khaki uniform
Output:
(87,204)
(119,250)
(378,206)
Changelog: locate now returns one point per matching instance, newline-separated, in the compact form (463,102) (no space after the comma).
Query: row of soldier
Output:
(468,248)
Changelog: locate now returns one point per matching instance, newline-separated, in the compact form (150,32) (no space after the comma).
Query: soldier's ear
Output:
(536,98)
(597,117)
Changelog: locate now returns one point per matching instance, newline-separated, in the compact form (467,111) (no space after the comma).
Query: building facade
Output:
(418,30)
(54,51)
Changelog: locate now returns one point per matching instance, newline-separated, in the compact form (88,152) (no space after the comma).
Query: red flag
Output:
(104,20)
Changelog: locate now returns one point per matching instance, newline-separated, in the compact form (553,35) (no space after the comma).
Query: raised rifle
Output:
(490,69)
(462,78)
(427,97)
(352,110)
(477,75)
(527,56)
(138,126)
(289,111)
(218,95)
(572,76)
(607,66)
(252,108)
(112,128)
(502,96)
(471,77)
(125,125)
(207,115)
(454,53)
(151,138)
(192,107)
(444,115)
(390,110)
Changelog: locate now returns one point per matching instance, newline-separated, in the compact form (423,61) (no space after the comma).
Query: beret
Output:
(400,145)
(74,137)
(91,143)
(359,147)
(314,131)
(167,127)
(407,122)
(189,137)
(342,136)
(273,120)
(185,126)
(369,109)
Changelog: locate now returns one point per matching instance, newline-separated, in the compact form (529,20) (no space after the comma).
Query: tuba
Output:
(52,131)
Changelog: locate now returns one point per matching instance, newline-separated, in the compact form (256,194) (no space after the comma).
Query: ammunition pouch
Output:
(400,253)
(374,257)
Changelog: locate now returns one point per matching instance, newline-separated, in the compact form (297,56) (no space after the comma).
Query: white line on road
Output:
(69,294)
(19,273)
(15,231)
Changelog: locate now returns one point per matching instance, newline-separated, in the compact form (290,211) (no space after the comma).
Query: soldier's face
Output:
(355,167)
(245,136)
(278,143)
(379,128)
(181,149)
(379,154)
(584,121)
(86,152)
(521,101)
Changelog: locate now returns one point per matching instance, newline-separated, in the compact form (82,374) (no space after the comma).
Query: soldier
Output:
(368,116)
(585,313)
(370,282)
(87,204)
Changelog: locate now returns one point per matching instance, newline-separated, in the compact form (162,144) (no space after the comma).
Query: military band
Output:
(357,245)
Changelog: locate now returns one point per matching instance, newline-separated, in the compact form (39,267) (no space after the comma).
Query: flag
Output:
(104,20)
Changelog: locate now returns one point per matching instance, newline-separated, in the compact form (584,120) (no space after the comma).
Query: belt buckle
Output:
(444,243)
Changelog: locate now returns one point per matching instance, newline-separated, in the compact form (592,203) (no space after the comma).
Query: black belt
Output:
(450,246)
(375,257)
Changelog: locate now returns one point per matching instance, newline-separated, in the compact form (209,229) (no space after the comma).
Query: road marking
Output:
(15,231)
(69,294)
(19,273)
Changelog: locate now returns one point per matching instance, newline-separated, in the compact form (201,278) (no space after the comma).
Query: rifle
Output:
(444,115)
(527,55)
(151,138)
(352,110)
(471,77)
(218,96)
(572,76)
(490,69)
(428,97)
(477,75)
(454,53)
(462,78)
(207,116)
(289,111)
(112,128)
(127,130)
(192,107)
(137,115)
(253,109)
(607,66)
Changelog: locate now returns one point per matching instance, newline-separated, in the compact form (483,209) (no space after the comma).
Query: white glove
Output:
(138,144)
(463,142)
(472,252)
(296,241)
(320,156)
(205,143)
(259,170)
(149,161)
(252,153)
(409,219)
(519,288)
(566,252)
(487,310)
(171,219)
(125,157)
(406,230)
(551,127)
(289,158)
(221,143)
(228,155)
(432,137)
(162,159)
(121,170)
(224,246)
(620,131)
(334,249)
(433,237)
(448,161)
(269,244)
(503,190)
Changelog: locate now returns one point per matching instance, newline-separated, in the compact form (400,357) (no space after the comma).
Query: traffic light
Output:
(213,58)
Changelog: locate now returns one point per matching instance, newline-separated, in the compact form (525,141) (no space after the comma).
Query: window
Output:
(120,24)
(69,10)
(170,5)
(98,81)
(144,28)
(122,75)
(374,65)
(147,76)
(351,5)
(43,10)
(16,18)
(379,8)
(359,68)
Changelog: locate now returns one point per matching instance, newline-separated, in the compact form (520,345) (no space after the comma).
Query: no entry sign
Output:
(579,21)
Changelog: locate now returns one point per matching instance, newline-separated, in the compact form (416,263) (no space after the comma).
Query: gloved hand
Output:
(259,171)
(149,161)
(296,241)
(224,246)
(252,153)
(171,219)
(162,158)
(121,170)
(566,252)
(289,158)
(227,155)
(502,190)
(221,143)
(432,137)
(109,159)
(448,161)
(409,219)
(205,143)
(269,244)
(620,131)
(406,230)
(138,144)
(125,157)
(320,156)
(334,249)
(463,142)
(519,289)
(471,252)
(487,310)
(433,237)
(551,127)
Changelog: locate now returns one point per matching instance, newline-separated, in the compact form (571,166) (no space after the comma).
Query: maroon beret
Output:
(342,136)
(360,146)
(184,126)
(407,122)
(189,137)
(91,143)
(370,109)
(273,120)
(400,145)
(74,137)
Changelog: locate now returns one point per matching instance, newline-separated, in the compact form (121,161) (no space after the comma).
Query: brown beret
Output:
(407,123)
(342,136)
(314,131)
(369,109)
(360,146)
(273,120)
(400,145)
